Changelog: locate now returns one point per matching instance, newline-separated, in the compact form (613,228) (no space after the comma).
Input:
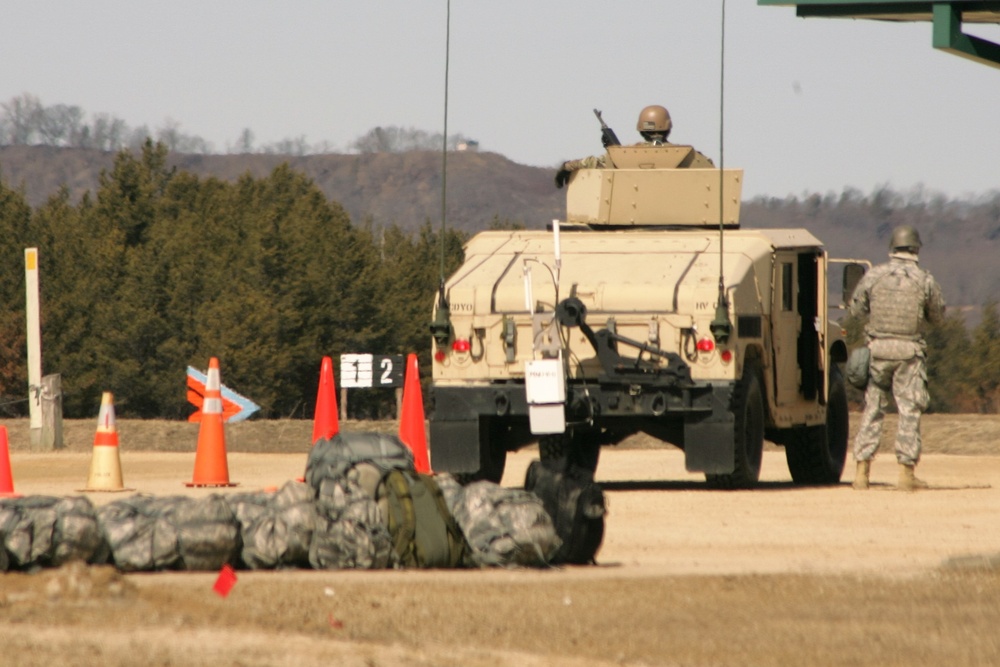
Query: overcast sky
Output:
(811,105)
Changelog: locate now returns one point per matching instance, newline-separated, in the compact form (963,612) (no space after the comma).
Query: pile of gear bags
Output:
(362,506)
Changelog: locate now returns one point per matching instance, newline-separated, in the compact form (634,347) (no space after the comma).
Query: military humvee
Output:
(609,324)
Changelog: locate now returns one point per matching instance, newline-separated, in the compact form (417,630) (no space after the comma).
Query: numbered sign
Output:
(371,370)
(389,370)
(355,370)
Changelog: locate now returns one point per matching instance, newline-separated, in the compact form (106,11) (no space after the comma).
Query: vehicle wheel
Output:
(748,411)
(492,453)
(816,455)
(579,449)
(553,447)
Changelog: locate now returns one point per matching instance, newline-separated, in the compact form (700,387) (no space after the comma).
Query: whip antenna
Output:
(441,326)
(444,139)
(721,326)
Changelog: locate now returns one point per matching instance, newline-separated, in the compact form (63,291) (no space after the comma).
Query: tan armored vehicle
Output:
(610,324)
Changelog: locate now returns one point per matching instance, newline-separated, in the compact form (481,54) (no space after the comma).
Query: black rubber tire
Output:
(581,449)
(816,455)
(748,431)
(553,447)
(492,453)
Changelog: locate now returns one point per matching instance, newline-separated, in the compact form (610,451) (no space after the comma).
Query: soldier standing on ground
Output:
(654,125)
(899,298)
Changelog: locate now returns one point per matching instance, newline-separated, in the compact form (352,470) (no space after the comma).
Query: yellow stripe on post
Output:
(31,258)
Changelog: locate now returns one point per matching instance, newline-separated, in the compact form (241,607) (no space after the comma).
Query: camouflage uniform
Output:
(899,297)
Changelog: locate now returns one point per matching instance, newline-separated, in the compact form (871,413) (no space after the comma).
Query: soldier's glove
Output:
(562,176)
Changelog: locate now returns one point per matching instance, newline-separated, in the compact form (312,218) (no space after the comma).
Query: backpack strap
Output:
(458,547)
(402,517)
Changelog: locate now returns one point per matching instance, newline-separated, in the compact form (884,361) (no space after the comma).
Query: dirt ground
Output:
(781,575)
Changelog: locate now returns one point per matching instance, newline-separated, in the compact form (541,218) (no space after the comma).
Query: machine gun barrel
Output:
(608,136)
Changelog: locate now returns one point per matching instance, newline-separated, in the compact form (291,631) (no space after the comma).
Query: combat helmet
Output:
(654,118)
(904,236)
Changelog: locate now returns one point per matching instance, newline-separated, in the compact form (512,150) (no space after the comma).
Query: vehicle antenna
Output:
(441,326)
(721,326)
(442,300)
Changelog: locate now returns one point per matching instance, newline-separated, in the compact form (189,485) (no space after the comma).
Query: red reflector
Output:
(706,345)
(727,356)
(439,356)
(461,345)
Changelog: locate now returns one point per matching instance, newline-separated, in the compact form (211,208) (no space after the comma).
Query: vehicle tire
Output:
(492,453)
(581,449)
(816,455)
(748,412)
(555,446)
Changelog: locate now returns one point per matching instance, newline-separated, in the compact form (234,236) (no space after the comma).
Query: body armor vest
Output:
(897,301)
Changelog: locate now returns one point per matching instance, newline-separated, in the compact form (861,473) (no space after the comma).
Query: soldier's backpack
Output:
(424,533)
(575,503)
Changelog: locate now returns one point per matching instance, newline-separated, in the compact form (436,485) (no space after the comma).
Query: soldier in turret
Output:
(654,125)
(899,298)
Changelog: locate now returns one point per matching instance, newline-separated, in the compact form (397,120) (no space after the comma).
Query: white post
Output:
(34,345)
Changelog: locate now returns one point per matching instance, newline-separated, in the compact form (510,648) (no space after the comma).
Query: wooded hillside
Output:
(153,261)
(160,269)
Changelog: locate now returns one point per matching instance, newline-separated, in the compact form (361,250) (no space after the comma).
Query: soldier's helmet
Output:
(654,118)
(904,236)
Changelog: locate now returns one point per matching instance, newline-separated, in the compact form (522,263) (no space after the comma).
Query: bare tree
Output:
(245,143)
(399,140)
(23,115)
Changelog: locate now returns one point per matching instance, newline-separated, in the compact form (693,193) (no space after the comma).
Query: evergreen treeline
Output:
(160,270)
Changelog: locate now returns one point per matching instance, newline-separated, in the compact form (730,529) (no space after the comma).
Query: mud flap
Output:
(454,446)
(709,445)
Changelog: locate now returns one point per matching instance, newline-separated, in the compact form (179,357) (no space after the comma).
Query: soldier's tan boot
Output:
(861,476)
(908,481)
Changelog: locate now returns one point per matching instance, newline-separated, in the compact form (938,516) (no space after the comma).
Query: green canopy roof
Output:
(947,18)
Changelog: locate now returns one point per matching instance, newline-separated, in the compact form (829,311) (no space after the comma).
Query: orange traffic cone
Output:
(411,419)
(210,465)
(105,464)
(325,423)
(6,477)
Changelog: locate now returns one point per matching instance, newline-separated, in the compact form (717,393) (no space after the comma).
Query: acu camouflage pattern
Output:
(906,380)
(900,298)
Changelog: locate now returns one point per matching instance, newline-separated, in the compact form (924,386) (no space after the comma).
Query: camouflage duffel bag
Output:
(504,527)
(280,534)
(332,458)
(350,532)
(147,533)
(858,366)
(576,504)
(138,542)
(46,531)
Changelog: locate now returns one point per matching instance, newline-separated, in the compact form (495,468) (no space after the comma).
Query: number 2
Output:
(386,371)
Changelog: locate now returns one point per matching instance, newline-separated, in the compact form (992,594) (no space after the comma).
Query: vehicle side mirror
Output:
(853,273)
